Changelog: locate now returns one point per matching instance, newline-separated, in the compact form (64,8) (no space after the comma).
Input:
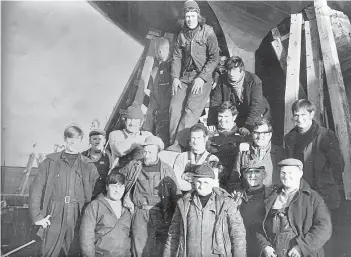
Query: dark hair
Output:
(73,131)
(217,165)
(227,105)
(199,127)
(115,177)
(234,62)
(181,20)
(260,122)
(303,104)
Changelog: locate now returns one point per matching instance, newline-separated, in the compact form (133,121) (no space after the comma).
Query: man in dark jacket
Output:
(244,89)
(100,156)
(63,185)
(318,149)
(151,193)
(195,56)
(206,222)
(105,227)
(297,221)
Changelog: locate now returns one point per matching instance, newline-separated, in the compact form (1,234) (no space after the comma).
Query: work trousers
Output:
(186,108)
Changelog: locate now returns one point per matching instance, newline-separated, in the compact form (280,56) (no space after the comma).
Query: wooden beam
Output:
(314,70)
(293,69)
(336,88)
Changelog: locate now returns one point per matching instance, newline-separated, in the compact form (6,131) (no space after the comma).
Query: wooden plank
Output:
(336,88)
(293,69)
(313,69)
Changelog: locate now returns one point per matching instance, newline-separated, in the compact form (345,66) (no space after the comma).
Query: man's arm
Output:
(179,167)
(237,232)
(172,242)
(213,57)
(216,98)
(177,59)
(36,192)
(121,146)
(334,156)
(87,231)
(255,105)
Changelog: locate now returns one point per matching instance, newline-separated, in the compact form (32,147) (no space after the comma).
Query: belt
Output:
(149,207)
(67,199)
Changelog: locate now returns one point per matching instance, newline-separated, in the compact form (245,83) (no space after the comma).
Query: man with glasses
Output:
(151,193)
(63,186)
(262,152)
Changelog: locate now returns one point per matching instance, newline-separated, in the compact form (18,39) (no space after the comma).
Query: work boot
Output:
(176,147)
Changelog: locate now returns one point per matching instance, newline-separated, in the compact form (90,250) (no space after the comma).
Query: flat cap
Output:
(134,112)
(154,140)
(204,171)
(95,132)
(247,168)
(291,162)
(191,4)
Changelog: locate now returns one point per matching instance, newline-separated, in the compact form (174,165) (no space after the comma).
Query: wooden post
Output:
(314,71)
(338,99)
(293,69)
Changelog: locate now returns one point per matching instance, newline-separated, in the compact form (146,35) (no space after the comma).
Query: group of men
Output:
(230,192)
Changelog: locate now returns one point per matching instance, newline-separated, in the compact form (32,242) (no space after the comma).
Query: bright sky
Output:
(62,62)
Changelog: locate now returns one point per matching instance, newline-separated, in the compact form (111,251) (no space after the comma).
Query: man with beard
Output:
(100,156)
(261,151)
(157,115)
(225,145)
(151,192)
(62,187)
(244,90)
(125,143)
(186,162)
(195,57)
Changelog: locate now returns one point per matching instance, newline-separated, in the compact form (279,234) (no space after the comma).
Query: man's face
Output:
(150,154)
(234,74)
(133,125)
(73,144)
(290,176)
(261,136)
(255,178)
(303,118)
(198,141)
(226,120)
(115,191)
(191,19)
(204,186)
(97,142)
(163,52)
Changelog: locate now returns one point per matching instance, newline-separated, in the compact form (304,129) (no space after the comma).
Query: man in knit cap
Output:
(195,56)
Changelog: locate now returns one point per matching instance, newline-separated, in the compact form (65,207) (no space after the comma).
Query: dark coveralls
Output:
(157,115)
(61,191)
(196,54)
(103,166)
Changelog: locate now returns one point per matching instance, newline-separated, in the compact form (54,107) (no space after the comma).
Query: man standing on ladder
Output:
(195,56)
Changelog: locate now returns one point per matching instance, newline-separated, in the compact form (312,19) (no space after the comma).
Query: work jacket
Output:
(226,227)
(323,162)
(254,104)
(308,217)
(202,50)
(101,233)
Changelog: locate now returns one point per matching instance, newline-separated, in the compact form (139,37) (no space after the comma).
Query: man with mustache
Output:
(195,57)
(100,156)
(125,143)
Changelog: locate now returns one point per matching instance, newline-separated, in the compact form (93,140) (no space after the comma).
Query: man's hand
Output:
(197,86)
(44,222)
(237,197)
(295,252)
(269,251)
(214,85)
(244,131)
(243,147)
(211,128)
(175,85)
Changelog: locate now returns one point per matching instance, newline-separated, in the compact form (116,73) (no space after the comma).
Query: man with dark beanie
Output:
(195,56)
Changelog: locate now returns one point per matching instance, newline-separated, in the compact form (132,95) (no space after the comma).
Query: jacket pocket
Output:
(200,47)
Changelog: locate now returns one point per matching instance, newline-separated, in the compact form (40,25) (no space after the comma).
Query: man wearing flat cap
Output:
(151,193)
(207,221)
(195,57)
(297,221)
(100,156)
(125,143)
